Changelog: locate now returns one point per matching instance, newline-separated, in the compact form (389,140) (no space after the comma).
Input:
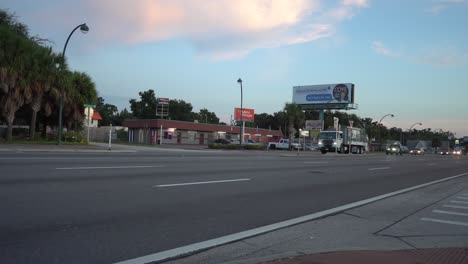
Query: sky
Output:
(407,58)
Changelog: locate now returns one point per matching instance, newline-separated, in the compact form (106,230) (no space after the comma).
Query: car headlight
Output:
(419,151)
(320,143)
(334,143)
(394,149)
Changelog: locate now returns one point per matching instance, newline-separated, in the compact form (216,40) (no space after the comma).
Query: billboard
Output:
(313,125)
(342,93)
(247,114)
(163,101)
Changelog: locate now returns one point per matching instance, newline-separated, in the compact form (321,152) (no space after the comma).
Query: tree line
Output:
(33,78)
(289,120)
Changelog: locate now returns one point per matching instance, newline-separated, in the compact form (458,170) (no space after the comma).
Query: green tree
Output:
(205,116)
(181,110)
(122,116)
(145,108)
(108,112)
(295,119)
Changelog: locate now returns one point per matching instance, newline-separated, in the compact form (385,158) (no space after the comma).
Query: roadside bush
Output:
(72,137)
(122,135)
(235,146)
(254,147)
(223,146)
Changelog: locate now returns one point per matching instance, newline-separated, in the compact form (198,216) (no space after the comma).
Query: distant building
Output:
(95,118)
(181,132)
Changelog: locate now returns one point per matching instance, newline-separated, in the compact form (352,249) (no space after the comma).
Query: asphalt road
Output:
(105,207)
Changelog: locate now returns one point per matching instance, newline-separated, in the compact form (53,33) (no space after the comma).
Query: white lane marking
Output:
(463,198)
(455,206)
(193,248)
(110,167)
(431,164)
(459,202)
(445,221)
(449,212)
(316,162)
(197,183)
(382,168)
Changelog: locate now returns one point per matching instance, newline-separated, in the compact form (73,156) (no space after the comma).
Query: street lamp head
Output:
(420,124)
(240,80)
(392,115)
(84,28)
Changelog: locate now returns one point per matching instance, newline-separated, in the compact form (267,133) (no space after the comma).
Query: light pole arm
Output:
(414,125)
(69,36)
(380,121)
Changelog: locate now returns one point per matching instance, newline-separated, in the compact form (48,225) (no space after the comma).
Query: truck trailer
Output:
(344,140)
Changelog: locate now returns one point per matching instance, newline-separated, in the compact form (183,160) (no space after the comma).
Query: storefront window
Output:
(168,134)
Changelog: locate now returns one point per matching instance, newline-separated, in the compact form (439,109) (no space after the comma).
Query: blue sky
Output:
(409,58)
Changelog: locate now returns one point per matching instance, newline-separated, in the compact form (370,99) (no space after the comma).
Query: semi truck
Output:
(344,140)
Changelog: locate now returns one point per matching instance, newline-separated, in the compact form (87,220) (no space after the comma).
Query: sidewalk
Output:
(429,256)
(427,225)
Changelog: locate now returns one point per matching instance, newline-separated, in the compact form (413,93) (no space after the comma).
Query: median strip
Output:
(198,183)
(110,167)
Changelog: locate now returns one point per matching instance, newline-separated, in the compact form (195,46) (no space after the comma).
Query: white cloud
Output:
(220,29)
(434,57)
(380,48)
(447,57)
(436,9)
(440,5)
(360,3)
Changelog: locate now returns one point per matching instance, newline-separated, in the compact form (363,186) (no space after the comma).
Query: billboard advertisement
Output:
(313,125)
(163,101)
(341,93)
(247,114)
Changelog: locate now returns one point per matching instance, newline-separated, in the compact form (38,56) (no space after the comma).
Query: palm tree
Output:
(83,91)
(16,72)
(44,72)
(295,117)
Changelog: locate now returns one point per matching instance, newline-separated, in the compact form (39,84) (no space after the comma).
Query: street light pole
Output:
(411,127)
(380,127)
(84,29)
(241,116)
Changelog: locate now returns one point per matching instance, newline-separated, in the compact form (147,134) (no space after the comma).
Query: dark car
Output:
(444,152)
(223,141)
(417,151)
(394,149)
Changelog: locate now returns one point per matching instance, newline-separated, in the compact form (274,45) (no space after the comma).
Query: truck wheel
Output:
(323,151)
(273,147)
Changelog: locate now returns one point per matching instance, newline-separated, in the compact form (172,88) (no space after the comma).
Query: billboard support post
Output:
(321,117)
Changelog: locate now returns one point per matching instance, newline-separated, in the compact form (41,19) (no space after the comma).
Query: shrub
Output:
(235,146)
(72,137)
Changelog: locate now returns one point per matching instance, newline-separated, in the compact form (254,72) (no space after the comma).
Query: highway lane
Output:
(107,214)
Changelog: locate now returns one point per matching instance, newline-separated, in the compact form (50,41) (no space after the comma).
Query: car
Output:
(444,152)
(311,147)
(457,152)
(417,151)
(223,141)
(250,142)
(395,148)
